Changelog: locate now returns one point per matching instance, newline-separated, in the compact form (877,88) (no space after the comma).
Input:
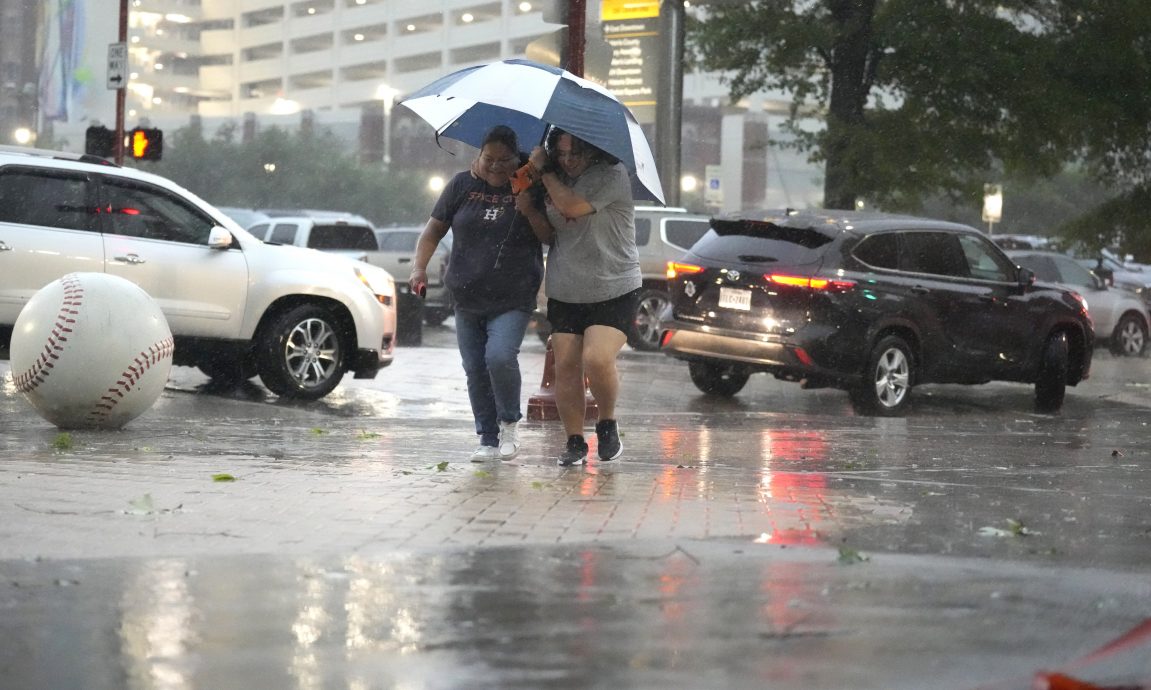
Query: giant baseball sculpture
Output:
(91,351)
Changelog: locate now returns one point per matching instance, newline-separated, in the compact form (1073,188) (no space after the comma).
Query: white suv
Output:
(237,307)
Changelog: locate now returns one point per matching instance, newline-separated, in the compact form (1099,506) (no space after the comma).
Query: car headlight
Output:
(385,294)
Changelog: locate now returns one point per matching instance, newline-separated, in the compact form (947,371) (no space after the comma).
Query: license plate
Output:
(732,298)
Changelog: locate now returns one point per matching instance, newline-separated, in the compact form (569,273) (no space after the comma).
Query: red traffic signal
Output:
(146,143)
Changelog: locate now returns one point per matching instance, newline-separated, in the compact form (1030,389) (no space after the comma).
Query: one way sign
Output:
(117,65)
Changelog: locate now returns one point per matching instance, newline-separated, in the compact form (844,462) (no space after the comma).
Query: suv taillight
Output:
(674,268)
(829,284)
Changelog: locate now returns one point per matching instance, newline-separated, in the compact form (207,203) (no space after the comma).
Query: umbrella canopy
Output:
(530,97)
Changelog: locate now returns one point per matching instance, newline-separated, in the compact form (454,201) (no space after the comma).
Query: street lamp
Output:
(388,95)
(992,205)
(23,136)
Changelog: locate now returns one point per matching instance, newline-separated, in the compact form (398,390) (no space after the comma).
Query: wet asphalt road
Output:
(773,540)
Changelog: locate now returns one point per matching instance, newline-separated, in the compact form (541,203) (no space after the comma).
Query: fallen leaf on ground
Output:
(63,441)
(849,556)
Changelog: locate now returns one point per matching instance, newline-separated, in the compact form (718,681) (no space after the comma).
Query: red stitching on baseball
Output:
(155,353)
(38,372)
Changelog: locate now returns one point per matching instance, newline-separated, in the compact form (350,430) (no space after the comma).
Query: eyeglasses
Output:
(497,161)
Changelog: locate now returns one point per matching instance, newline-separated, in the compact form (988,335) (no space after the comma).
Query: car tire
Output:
(435,317)
(715,377)
(302,353)
(1130,336)
(226,372)
(645,331)
(885,390)
(1051,383)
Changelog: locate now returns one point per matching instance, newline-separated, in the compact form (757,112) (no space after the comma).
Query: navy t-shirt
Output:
(496,262)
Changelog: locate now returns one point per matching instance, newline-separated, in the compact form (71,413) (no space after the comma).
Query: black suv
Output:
(871,303)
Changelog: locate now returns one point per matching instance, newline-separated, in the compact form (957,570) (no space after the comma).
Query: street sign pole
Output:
(123,42)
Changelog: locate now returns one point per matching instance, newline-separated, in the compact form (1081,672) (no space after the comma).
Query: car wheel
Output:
(301,354)
(1051,384)
(886,387)
(225,371)
(718,378)
(645,329)
(435,317)
(1130,336)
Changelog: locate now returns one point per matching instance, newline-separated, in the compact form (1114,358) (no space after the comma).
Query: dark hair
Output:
(579,146)
(502,134)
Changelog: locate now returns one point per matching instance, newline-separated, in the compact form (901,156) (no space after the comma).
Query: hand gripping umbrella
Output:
(530,97)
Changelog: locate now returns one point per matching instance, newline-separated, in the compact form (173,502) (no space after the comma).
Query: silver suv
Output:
(236,306)
(662,235)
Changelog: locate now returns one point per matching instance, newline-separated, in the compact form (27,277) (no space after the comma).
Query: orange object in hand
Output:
(523,178)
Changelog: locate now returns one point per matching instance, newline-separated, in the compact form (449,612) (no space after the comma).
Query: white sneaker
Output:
(509,444)
(485,453)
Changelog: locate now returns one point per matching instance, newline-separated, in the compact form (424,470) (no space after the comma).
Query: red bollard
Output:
(542,405)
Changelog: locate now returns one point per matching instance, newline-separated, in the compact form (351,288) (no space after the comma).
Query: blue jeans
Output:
(490,348)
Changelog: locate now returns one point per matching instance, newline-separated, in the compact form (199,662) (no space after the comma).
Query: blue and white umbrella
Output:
(529,97)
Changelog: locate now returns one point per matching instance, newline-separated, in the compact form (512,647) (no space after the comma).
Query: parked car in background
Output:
(661,235)
(872,303)
(398,250)
(1119,274)
(236,306)
(352,239)
(244,217)
(1120,317)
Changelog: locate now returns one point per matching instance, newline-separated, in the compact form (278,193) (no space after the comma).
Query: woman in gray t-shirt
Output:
(592,280)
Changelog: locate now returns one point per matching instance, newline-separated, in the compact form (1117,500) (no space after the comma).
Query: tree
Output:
(282,169)
(918,98)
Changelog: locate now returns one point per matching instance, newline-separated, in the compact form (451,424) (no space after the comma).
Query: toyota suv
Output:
(871,303)
(237,307)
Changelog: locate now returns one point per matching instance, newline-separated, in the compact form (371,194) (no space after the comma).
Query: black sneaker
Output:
(607,432)
(576,452)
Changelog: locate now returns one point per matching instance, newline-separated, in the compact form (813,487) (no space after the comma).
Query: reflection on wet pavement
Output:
(662,614)
(358,548)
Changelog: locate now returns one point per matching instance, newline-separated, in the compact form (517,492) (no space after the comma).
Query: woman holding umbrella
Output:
(494,273)
(592,281)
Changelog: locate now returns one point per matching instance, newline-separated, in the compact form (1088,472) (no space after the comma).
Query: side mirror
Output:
(219,238)
(1026,277)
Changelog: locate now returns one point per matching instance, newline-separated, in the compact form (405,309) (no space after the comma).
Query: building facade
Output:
(345,64)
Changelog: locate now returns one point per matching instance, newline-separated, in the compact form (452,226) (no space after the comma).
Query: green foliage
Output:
(917,97)
(63,441)
(1031,206)
(311,171)
(920,100)
(1118,223)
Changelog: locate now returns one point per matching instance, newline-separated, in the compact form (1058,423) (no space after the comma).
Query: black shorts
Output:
(617,312)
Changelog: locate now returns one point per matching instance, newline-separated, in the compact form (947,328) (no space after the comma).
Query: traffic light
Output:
(146,144)
(99,141)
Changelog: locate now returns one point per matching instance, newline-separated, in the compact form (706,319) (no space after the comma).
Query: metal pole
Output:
(577,29)
(119,143)
(669,108)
